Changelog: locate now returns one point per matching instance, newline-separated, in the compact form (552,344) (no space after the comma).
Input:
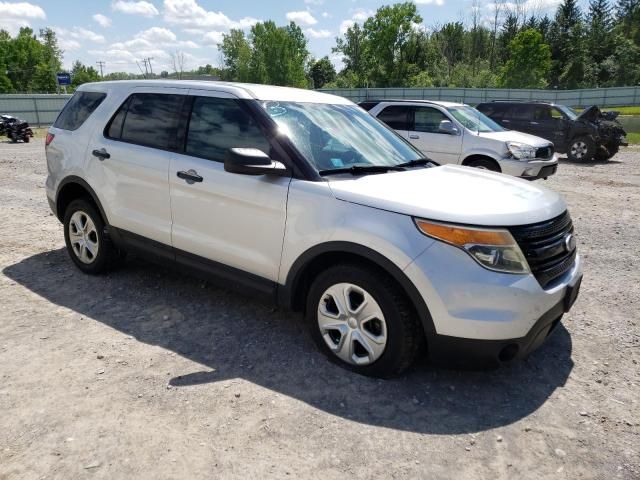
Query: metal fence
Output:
(38,110)
(604,97)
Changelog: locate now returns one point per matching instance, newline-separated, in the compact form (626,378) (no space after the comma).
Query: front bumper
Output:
(530,169)
(476,313)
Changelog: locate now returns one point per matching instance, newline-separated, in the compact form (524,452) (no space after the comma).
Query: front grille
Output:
(545,152)
(544,246)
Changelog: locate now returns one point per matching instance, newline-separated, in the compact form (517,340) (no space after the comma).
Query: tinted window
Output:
(493,110)
(218,124)
(78,109)
(396,116)
(521,112)
(541,112)
(149,119)
(427,119)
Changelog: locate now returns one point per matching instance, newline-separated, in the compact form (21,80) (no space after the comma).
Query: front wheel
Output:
(484,164)
(581,149)
(360,318)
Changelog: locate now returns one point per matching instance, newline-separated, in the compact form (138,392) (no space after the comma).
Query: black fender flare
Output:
(83,183)
(287,292)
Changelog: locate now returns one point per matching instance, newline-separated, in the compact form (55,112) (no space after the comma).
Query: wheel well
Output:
(70,192)
(472,158)
(322,262)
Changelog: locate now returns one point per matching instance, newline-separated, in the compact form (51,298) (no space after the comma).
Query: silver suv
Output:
(457,133)
(307,200)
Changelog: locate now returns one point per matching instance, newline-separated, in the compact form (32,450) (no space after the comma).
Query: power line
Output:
(101,64)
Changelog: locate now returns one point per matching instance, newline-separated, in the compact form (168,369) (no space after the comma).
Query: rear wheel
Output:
(581,149)
(484,164)
(87,244)
(361,319)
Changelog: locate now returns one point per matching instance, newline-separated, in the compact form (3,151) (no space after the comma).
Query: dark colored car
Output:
(15,129)
(583,137)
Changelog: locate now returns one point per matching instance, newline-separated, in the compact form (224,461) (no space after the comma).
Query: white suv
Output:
(457,133)
(305,198)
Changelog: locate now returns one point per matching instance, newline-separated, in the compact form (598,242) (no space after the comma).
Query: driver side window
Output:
(428,120)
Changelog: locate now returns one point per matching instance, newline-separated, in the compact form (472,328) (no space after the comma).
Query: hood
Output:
(513,136)
(590,114)
(452,193)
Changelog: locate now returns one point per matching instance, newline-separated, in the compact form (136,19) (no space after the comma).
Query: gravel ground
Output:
(147,373)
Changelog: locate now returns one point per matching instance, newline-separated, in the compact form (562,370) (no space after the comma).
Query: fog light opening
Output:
(509,352)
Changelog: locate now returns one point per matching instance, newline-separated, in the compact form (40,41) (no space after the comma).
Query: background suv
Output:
(456,133)
(590,134)
(307,200)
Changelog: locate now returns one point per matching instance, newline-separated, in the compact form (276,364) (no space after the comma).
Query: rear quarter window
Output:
(396,116)
(78,109)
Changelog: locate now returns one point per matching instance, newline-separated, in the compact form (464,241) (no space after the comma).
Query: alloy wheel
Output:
(83,237)
(579,149)
(352,324)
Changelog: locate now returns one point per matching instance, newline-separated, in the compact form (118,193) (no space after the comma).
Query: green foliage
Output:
(529,61)
(271,54)
(82,74)
(322,72)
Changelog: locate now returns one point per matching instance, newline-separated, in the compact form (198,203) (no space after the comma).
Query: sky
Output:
(122,33)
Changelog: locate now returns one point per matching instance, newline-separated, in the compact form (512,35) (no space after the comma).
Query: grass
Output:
(633,138)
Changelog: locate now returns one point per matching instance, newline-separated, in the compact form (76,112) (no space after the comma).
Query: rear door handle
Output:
(534,123)
(414,137)
(191,176)
(102,154)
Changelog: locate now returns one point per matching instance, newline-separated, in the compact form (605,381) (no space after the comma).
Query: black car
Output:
(15,129)
(590,134)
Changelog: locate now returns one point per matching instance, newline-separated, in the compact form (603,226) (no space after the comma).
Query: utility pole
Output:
(101,64)
(150,69)
(146,72)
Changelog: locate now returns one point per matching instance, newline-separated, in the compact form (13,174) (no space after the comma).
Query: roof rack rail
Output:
(519,100)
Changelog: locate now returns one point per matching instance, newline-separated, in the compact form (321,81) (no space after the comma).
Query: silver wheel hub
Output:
(579,149)
(83,237)
(352,324)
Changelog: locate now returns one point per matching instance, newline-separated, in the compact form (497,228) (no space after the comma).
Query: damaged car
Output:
(592,134)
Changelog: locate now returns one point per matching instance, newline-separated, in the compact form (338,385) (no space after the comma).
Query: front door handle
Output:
(102,154)
(191,176)
(414,136)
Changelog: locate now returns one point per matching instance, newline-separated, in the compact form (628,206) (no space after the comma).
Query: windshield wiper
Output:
(360,169)
(418,162)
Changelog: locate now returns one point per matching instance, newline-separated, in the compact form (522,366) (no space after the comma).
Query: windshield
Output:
(474,120)
(569,112)
(339,136)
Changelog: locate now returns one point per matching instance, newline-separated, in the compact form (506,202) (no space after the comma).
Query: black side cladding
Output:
(546,247)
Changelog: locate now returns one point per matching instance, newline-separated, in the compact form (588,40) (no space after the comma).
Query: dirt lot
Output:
(146,373)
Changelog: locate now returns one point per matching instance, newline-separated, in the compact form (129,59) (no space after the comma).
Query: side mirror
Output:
(252,161)
(447,126)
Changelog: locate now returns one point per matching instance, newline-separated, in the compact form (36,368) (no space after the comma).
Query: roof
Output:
(417,100)
(241,90)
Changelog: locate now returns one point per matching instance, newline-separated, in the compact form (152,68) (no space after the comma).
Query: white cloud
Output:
(77,34)
(68,45)
(157,35)
(302,17)
(213,38)
(359,16)
(326,15)
(102,20)
(16,15)
(193,18)
(143,8)
(439,3)
(317,33)
(314,2)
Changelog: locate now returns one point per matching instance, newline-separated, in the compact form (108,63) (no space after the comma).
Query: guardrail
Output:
(604,97)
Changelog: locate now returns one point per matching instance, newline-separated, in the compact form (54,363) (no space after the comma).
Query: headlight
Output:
(521,150)
(493,249)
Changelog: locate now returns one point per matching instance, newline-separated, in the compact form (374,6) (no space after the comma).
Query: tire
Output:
(373,306)
(26,139)
(606,152)
(484,164)
(90,249)
(581,149)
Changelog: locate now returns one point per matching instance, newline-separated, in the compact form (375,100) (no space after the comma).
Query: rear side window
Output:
(78,109)
(396,116)
(148,119)
(492,110)
(521,112)
(218,124)
(427,119)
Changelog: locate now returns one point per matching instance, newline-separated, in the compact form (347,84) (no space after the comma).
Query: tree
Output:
(82,74)
(322,72)
(565,32)
(529,62)
(387,33)
(354,49)
(177,63)
(236,53)
(599,40)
